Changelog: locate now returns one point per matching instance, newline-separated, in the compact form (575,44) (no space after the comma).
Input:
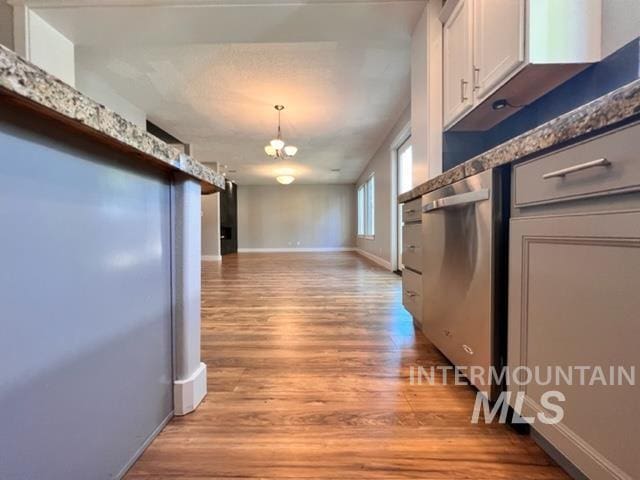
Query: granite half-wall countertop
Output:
(618,106)
(30,85)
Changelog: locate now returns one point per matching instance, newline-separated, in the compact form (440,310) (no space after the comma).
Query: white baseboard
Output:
(188,393)
(211,258)
(374,258)
(298,249)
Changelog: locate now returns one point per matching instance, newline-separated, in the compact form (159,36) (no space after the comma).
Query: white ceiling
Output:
(210,74)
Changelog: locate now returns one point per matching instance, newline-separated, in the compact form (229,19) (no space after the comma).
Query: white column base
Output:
(188,393)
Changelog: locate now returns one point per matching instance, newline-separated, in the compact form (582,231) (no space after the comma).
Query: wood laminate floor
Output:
(308,358)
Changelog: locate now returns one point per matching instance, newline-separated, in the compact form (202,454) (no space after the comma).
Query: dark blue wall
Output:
(616,70)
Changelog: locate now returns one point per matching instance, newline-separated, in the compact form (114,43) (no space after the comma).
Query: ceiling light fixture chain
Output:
(279,108)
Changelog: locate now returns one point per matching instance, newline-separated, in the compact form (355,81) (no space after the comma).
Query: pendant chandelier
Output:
(277,147)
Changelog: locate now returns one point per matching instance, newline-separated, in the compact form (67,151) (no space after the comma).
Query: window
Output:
(361,210)
(370,189)
(366,208)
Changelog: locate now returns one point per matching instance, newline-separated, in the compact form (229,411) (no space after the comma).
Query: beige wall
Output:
(296,216)
(620,24)
(49,49)
(380,165)
(210,239)
(6,24)
(210,230)
(94,87)
(426,94)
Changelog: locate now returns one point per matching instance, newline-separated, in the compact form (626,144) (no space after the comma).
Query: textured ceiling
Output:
(210,76)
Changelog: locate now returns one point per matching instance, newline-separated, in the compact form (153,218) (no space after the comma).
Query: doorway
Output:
(404,165)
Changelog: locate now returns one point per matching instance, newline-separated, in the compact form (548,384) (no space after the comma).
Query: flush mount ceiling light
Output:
(285,179)
(277,147)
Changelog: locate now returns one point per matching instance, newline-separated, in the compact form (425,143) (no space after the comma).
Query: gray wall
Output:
(296,216)
(6,24)
(85,296)
(380,164)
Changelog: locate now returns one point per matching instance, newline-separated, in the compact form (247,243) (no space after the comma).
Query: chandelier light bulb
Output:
(269,150)
(290,150)
(285,179)
(277,143)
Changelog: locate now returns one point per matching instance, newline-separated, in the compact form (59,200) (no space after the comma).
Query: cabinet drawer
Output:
(412,211)
(412,293)
(412,246)
(605,164)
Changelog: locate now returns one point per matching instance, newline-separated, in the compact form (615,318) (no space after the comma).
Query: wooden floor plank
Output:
(308,358)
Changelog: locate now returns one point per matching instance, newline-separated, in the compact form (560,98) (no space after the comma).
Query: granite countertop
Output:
(615,107)
(26,82)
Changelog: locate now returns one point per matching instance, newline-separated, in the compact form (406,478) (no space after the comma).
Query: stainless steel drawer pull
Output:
(601,162)
(411,210)
(411,247)
(467,349)
(457,200)
(410,293)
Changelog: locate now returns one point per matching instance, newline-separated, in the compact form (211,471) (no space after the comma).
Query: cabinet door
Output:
(498,43)
(458,66)
(573,301)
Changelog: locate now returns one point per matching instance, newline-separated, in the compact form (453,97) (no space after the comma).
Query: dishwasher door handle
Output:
(457,200)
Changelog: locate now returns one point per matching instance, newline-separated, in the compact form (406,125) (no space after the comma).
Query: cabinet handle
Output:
(463,88)
(411,247)
(601,162)
(467,349)
(411,210)
(410,293)
(476,79)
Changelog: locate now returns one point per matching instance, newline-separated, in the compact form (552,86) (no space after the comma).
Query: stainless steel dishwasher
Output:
(464,244)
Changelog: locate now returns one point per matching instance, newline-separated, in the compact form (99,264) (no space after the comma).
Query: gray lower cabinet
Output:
(574,302)
(412,246)
(574,305)
(412,211)
(412,258)
(86,339)
(412,293)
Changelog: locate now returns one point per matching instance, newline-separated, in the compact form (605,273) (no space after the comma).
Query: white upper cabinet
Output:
(458,71)
(498,42)
(513,50)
